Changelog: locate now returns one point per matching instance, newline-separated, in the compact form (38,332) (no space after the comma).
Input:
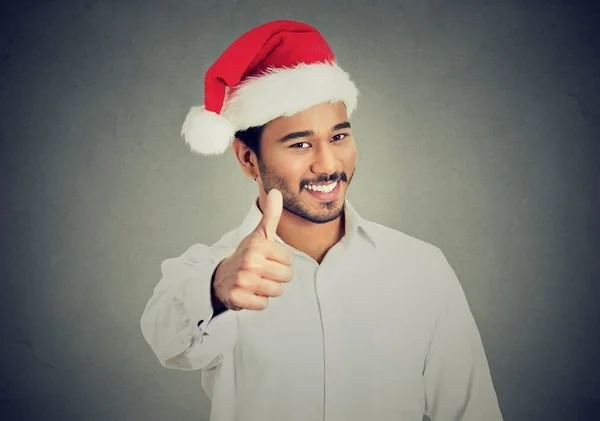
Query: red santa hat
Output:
(277,69)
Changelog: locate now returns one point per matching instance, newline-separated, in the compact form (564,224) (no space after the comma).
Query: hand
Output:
(259,266)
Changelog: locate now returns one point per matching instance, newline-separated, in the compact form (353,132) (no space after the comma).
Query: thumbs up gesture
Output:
(259,266)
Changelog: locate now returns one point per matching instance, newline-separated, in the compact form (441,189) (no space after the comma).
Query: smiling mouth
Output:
(324,192)
(323,188)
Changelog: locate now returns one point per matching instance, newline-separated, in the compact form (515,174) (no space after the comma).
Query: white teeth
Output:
(324,189)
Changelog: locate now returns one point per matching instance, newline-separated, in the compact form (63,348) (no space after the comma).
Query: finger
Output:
(274,271)
(279,253)
(268,288)
(267,226)
(245,299)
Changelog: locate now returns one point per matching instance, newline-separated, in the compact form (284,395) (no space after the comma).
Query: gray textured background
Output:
(477,131)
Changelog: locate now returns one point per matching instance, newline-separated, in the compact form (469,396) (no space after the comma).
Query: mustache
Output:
(327,178)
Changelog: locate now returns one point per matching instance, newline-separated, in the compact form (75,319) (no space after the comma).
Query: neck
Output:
(308,237)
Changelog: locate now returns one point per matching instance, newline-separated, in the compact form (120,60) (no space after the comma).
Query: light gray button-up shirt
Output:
(379,331)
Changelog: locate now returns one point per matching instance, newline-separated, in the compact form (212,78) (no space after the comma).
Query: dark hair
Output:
(251,138)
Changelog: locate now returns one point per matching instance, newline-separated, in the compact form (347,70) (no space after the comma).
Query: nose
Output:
(325,160)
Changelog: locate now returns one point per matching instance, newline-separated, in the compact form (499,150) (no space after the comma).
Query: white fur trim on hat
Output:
(207,132)
(286,91)
(258,100)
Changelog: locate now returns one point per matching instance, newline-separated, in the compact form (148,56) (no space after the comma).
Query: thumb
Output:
(267,226)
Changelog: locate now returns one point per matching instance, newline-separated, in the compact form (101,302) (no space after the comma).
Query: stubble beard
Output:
(291,198)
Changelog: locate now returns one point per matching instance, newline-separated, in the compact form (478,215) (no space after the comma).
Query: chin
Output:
(317,213)
(328,211)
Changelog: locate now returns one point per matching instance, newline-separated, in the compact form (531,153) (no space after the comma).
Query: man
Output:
(308,311)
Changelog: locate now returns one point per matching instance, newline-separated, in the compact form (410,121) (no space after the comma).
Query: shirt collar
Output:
(354,224)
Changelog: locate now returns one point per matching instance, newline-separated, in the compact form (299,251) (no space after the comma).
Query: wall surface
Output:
(477,131)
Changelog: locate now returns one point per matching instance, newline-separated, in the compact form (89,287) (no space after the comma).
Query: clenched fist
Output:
(259,266)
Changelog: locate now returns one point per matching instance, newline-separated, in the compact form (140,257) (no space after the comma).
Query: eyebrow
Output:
(308,133)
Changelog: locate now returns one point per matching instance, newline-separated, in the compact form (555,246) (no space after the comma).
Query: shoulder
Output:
(412,258)
(216,252)
(394,241)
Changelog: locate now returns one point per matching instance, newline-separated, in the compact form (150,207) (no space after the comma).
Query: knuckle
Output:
(262,303)
(244,282)
(278,290)
(286,275)
(271,288)
(233,299)
(240,281)
(240,300)
(256,302)
(247,262)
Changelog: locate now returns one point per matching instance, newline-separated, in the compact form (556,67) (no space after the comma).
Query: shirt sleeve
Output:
(177,321)
(458,383)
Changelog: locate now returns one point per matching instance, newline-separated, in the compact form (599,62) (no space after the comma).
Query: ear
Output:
(246,158)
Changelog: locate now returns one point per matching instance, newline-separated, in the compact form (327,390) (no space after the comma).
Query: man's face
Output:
(312,148)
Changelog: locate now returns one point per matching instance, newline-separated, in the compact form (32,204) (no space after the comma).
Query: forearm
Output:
(179,320)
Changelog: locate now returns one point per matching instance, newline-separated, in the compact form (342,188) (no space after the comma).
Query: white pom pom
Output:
(206,132)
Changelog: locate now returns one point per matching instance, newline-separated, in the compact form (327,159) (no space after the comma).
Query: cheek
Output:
(291,169)
(349,157)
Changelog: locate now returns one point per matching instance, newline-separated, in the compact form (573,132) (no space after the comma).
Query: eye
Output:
(339,137)
(299,145)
